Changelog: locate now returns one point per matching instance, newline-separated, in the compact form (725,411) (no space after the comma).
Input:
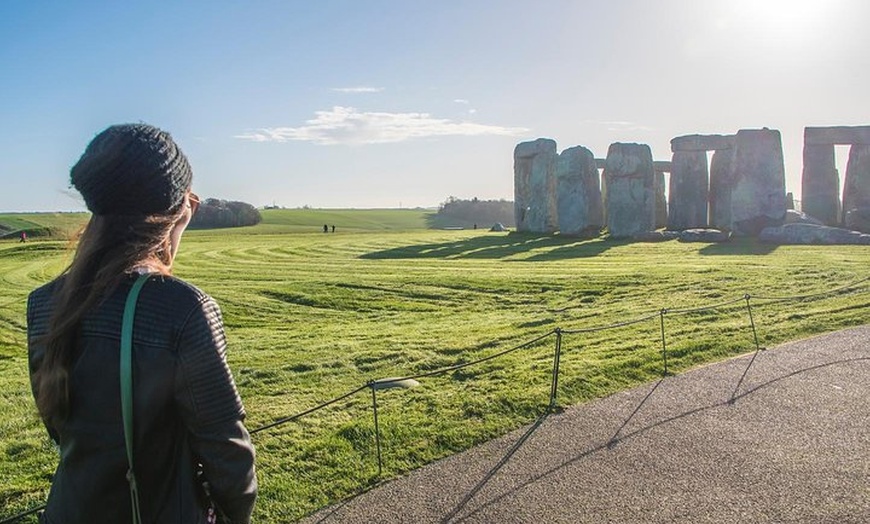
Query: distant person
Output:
(333,228)
(23,237)
(325,228)
(475,226)
(186,409)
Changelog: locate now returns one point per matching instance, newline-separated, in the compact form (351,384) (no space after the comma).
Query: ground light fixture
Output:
(386,383)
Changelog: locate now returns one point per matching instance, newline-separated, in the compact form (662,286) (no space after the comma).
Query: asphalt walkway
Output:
(786,441)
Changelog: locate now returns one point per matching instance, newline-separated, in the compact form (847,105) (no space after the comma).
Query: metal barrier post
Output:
(554,385)
(752,321)
(377,428)
(664,347)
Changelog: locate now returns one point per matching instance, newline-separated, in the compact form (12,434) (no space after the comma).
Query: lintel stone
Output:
(702,143)
(837,135)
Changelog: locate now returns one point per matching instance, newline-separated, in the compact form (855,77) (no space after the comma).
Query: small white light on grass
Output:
(394,382)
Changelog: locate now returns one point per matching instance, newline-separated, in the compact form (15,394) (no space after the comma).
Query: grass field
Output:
(311,316)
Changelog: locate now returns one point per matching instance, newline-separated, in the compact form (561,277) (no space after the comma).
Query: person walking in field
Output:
(185,418)
(23,237)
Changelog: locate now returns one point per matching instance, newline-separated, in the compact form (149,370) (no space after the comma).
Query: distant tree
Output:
(214,213)
(480,212)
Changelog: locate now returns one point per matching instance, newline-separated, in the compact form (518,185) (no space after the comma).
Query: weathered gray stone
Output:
(662,166)
(655,236)
(858,219)
(498,227)
(704,235)
(758,177)
(661,200)
(535,186)
(843,135)
(789,200)
(630,189)
(856,188)
(820,184)
(702,143)
(720,189)
(796,217)
(578,193)
(687,196)
(812,234)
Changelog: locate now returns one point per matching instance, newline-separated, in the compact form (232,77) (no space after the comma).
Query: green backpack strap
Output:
(127,387)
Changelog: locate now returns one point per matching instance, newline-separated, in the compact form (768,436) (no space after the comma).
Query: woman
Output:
(186,409)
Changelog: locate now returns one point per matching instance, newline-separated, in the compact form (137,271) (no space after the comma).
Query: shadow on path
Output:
(616,439)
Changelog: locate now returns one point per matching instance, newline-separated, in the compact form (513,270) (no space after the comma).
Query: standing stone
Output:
(856,188)
(630,196)
(720,189)
(661,201)
(820,184)
(578,191)
(535,186)
(758,174)
(789,201)
(688,191)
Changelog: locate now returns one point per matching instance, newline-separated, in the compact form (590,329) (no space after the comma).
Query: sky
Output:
(402,103)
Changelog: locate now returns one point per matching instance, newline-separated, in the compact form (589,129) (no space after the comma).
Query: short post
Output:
(752,321)
(385,383)
(664,346)
(554,385)
(377,428)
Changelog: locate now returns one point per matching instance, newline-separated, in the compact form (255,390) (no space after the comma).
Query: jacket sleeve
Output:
(213,413)
(35,352)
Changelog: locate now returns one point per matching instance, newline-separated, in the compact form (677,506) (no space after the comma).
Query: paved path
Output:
(794,446)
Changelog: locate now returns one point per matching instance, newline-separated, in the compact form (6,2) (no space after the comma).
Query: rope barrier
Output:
(554,384)
(813,295)
(307,411)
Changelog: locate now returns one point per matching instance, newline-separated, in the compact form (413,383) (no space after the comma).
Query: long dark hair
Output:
(109,248)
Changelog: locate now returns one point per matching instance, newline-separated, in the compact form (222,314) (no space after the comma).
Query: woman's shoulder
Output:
(177,290)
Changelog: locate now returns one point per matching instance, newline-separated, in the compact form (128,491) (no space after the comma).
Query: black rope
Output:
(703,308)
(473,362)
(611,326)
(307,411)
(22,514)
(813,295)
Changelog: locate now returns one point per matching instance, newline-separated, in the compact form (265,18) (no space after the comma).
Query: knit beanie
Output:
(132,169)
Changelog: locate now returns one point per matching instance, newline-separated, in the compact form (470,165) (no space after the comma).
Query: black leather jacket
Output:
(186,410)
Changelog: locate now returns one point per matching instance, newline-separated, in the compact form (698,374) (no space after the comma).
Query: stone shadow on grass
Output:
(553,247)
(739,246)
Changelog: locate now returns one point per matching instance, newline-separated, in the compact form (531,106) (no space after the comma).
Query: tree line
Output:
(215,213)
(481,212)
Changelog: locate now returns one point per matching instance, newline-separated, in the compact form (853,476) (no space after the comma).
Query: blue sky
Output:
(382,103)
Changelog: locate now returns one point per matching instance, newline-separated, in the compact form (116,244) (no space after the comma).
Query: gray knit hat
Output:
(132,169)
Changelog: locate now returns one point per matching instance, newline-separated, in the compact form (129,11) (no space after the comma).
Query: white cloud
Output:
(358,89)
(461,101)
(347,125)
(619,125)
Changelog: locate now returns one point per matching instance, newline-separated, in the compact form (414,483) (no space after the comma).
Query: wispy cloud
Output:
(358,89)
(461,101)
(347,125)
(619,125)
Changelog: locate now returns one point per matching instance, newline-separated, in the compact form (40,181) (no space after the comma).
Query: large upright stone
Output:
(820,184)
(758,176)
(720,189)
(687,202)
(630,195)
(856,188)
(578,190)
(535,186)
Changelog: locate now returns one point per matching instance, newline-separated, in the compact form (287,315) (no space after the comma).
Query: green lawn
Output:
(311,316)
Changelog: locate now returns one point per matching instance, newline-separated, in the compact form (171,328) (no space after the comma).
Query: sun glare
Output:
(780,16)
